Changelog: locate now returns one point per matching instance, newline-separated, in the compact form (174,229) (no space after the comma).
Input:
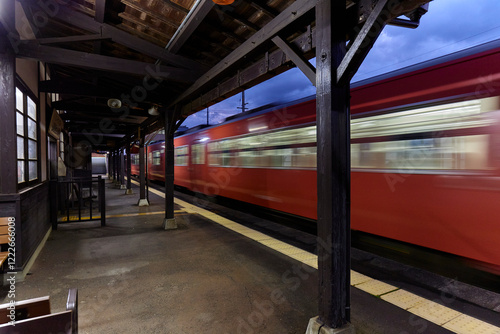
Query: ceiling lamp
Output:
(223,2)
(153,111)
(114,103)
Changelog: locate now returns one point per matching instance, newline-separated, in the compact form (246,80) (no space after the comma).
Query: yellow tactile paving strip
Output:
(432,311)
(75,218)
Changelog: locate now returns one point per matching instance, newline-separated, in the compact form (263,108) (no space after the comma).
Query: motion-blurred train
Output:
(425,156)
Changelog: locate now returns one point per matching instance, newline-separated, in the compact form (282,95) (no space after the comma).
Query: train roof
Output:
(474,50)
(478,49)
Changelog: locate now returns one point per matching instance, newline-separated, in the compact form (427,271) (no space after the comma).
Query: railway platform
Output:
(215,275)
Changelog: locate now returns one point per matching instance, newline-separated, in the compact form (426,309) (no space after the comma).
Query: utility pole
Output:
(243,108)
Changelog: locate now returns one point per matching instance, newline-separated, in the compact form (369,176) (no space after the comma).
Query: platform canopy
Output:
(178,56)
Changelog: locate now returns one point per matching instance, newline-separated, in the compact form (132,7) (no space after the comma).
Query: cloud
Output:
(449,26)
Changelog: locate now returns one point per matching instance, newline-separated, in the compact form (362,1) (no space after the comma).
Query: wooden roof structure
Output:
(175,56)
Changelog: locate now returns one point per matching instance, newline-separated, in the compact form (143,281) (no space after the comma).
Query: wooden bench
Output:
(33,316)
(4,239)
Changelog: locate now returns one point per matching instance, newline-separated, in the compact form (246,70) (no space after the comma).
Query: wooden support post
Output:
(102,199)
(8,167)
(118,167)
(122,170)
(333,170)
(114,165)
(129,170)
(142,173)
(169,221)
(110,165)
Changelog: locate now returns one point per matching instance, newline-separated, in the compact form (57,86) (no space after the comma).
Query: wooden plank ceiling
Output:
(178,55)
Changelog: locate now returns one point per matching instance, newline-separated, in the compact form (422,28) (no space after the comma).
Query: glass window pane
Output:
(32,154)
(31,128)
(19,100)
(31,108)
(20,171)
(20,123)
(20,147)
(33,172)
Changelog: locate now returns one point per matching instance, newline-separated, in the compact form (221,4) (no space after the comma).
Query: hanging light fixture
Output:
(114,103)
(223,2)
(153,111)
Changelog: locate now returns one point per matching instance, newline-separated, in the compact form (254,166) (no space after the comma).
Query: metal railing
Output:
(77,199)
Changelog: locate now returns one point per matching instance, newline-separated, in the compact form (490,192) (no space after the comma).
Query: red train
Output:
(425,156)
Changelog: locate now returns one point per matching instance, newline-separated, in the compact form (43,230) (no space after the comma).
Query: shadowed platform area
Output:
(135,277)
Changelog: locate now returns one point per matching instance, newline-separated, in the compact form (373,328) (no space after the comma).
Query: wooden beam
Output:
(239,19)
(69,39)
(100,10)
(305,66)
(290,14)
(95,118)
(76,87)
(189,25)
(100,13)
(362,44)
(172,4)
(96,109)
(135,20)
(154,15)
(272,13)
(87,60)
(84,22)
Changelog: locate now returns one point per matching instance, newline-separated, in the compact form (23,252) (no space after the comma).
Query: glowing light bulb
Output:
(223,2)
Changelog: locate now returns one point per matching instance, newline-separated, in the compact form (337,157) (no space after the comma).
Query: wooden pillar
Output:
(129,170)
(122,169)
(142,173)
(333,172)
(110,165)
(118,158)
(113,156)
(8,141)
(169,221)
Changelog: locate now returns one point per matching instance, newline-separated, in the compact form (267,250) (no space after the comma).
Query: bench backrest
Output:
(4,230)
(60,323)
(26,309)
(33,316)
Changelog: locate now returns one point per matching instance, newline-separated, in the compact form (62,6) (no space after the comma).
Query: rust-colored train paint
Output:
(434,183)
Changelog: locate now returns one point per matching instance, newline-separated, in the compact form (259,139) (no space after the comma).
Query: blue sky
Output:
(449,26)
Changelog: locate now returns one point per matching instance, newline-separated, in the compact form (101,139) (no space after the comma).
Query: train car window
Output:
(181,156)
(450,116)
(134,158)
(156,158)
(270,150)
(214,155)
(198,154)
(304,157)
(446,153)
(451,136)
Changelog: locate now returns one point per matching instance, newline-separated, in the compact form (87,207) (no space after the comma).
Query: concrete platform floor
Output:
(135,277)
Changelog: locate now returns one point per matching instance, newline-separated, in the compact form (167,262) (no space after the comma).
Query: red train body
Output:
(425,156)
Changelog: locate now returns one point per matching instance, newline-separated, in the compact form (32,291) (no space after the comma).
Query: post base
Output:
(129,192)
(317,327)
(123,187)
(143,202)
(169,224)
